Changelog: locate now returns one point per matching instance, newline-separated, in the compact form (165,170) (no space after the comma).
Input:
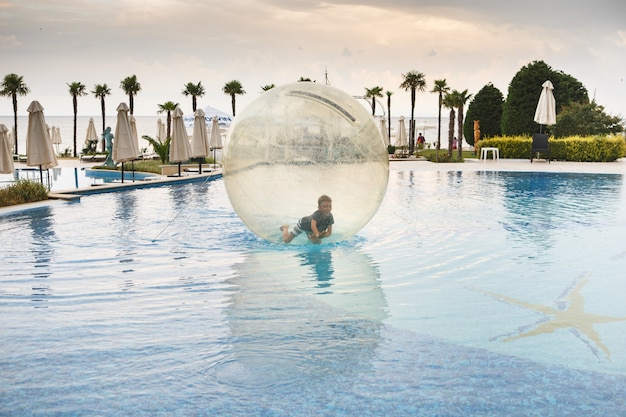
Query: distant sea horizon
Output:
(147,125)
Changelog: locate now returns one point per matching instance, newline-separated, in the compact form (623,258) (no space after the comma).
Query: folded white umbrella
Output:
(125,146)
(199,138)
(92,135)
(216,137)
(180,150)
(160,131)
(545,114)
(401,139)
(39,151)
(6,158)
(56,136)
(383,131)
(133,130)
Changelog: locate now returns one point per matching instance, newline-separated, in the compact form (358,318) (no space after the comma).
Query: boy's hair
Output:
(323,198)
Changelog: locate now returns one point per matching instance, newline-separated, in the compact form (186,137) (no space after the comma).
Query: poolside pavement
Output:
(517,165)
(470,164)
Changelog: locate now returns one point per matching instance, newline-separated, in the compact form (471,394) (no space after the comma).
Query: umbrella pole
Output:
(179,169)
(213,158)
(200,166)
(41,174)
(122,172)
(133,167)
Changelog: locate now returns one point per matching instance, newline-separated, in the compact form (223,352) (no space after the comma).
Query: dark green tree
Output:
(12,86)
(76,90)
(451,101)
(100,91)
(524,91)
(440,88)
(586,119)
(413,81)
(233,88)
(388,94)
(487,108)
(131,87)
(462,98)
(194,90)
(373,93)
(168,107)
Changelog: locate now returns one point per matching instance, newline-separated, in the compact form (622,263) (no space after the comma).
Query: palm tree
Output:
(232,88)
(168,107)
(441,88)
(373,93)
(161,148)
(451,101)
(193,90)
(267,87)
(388,93)
(76,89)
(462,99)
(414,81)
(101,91)
(13,85)
(131,87)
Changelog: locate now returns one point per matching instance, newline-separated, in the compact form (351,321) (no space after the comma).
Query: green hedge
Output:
(572,148)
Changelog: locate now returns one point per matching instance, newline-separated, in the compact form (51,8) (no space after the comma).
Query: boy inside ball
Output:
(317,226)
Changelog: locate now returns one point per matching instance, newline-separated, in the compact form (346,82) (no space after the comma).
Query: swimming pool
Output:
(68,178)
(469,293)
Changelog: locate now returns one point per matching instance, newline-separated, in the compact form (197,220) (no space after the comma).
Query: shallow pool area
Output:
(68,178)
(479,293)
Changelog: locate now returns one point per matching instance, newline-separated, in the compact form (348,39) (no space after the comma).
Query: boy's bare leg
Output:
(287,236)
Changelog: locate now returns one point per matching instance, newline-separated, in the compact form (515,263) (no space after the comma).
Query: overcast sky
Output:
(361,43)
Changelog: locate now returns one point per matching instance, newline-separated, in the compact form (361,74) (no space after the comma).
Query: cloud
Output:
(620,36)
(9,41)
(167,43)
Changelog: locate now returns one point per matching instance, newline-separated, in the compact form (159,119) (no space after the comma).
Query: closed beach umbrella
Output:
(39,151)
(199,138)
(401,139)
(133,130)
(56,137)
(92,136)
(383,131)
(160,131)
(125,146)
(180,150)
(216,137)
(546,107)
(6,158)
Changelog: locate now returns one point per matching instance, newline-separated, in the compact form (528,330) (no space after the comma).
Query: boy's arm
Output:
(327,232)
(316,233)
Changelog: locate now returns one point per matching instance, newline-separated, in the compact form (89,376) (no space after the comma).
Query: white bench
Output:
(495,153)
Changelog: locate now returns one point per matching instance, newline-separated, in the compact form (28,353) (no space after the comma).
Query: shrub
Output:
(572,148)
(23,191)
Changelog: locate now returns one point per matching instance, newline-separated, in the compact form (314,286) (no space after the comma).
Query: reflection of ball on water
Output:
(295,143)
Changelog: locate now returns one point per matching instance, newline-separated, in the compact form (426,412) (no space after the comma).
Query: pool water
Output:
(56,179)
(468,294)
